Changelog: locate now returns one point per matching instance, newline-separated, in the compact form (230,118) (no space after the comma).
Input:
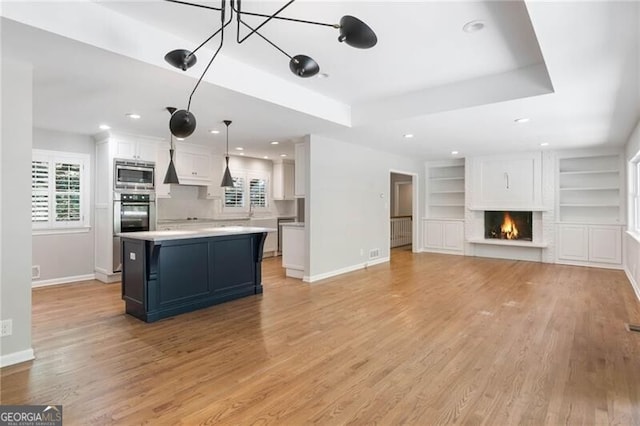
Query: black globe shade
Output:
(303,66)
(182,123)
(181,58)
(356,33)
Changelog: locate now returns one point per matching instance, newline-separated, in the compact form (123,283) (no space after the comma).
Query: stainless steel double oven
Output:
(134,203)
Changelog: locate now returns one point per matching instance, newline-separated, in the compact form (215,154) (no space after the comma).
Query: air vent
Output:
(35,272)
(374,253)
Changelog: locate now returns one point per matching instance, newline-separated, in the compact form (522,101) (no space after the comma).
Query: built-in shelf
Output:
(445,190)
(589,189)
(512,243)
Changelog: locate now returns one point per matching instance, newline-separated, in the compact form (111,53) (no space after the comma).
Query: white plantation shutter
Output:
(39,191)
(59,190)
(234,197)
(258,192)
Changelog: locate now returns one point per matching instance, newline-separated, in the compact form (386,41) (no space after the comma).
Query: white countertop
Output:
(183,234)
(294,224)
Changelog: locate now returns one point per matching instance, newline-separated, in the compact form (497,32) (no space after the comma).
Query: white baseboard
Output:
(105,277)
(16,357)
(441,251)
(634,284)
(324,276)
(63,280)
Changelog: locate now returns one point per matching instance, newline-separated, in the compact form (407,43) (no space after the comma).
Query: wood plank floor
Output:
(426,339)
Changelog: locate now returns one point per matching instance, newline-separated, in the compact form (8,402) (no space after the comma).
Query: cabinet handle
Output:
(506,176)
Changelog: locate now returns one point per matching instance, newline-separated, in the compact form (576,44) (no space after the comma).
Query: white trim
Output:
(634,284)
(511,209)
(16,357)
(589,264)
(54,231)
(442,251)
(62,280)
(106,277)
(324,276)
(512,243)
(415,210)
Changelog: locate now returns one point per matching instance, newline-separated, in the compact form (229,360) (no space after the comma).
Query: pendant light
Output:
(171,176)
(227,180)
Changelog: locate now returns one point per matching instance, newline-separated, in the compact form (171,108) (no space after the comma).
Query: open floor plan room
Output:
(425,339)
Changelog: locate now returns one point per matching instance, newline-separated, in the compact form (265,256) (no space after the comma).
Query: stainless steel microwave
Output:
(133,175)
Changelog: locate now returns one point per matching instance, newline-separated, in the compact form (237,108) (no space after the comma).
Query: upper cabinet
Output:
(590,188)
(300,171)
(193,164)
(507,182)
(283,180)
(135,149)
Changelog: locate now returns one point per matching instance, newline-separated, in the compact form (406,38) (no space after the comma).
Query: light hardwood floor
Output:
(426,339)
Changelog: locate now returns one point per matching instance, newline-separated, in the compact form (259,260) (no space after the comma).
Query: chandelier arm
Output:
(267,40)
(270,17)
(282,18)
(224,25)
(204,42)
(194,5)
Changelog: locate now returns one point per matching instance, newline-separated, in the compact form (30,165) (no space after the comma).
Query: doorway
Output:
(401,210)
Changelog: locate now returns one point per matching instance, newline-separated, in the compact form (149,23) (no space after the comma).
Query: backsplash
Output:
(184,203)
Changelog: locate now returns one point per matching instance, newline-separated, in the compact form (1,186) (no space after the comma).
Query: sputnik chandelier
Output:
(353,32)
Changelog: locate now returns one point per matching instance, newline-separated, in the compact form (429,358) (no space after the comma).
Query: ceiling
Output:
(570,67)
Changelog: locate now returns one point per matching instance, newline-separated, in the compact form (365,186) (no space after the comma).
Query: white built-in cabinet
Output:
(300,170)
(590,206)
(134,148)
(193,164)
(443,228)
(283,180)
(507,182)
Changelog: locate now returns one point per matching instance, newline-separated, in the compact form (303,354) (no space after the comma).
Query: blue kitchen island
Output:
(166,273)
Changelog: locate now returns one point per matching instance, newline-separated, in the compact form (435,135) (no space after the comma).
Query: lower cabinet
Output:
(594,244)
(443,236)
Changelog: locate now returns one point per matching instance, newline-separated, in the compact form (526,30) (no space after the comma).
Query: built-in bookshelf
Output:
(445,190)
(590,189)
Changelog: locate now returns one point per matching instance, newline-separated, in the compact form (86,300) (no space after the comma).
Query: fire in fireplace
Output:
(508,225)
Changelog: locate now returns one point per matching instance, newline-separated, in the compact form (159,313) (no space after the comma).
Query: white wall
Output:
(15,220)
(347,204)
(631,243)
(65,257)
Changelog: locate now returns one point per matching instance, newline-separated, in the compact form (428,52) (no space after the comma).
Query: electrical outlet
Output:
(361,252)
(35,272)
(6,327)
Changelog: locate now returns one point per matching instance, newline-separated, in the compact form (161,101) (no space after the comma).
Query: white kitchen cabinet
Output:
(300,170)
(293,250)
(507,181)
(283,180)
(135,149)
(214,190)
(193,165)
(445,236)
(589,244)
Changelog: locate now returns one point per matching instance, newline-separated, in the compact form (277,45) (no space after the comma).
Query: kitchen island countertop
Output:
(181,234)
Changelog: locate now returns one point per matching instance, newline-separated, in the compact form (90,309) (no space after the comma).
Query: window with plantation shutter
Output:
(258,192)
(59,190)
(234,197)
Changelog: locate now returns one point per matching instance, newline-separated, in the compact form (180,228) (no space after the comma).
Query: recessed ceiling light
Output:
(274,142)
(239,148)
(473,26)
(133,115)
(104,127)
(454,152)
(283,155)
(544,144)
(408,136)
(322,75)
(266,157)
(214,132)
(179,139)
(242,153)
(522,120)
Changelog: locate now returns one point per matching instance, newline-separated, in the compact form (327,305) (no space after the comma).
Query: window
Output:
(251,186)
(59,190)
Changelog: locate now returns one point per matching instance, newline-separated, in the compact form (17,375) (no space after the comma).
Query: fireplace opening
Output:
(505,225)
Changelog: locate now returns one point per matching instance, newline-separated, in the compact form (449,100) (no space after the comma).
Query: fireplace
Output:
(506,225)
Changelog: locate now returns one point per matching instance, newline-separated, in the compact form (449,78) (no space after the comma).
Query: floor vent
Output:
(633,327)
(374,253)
